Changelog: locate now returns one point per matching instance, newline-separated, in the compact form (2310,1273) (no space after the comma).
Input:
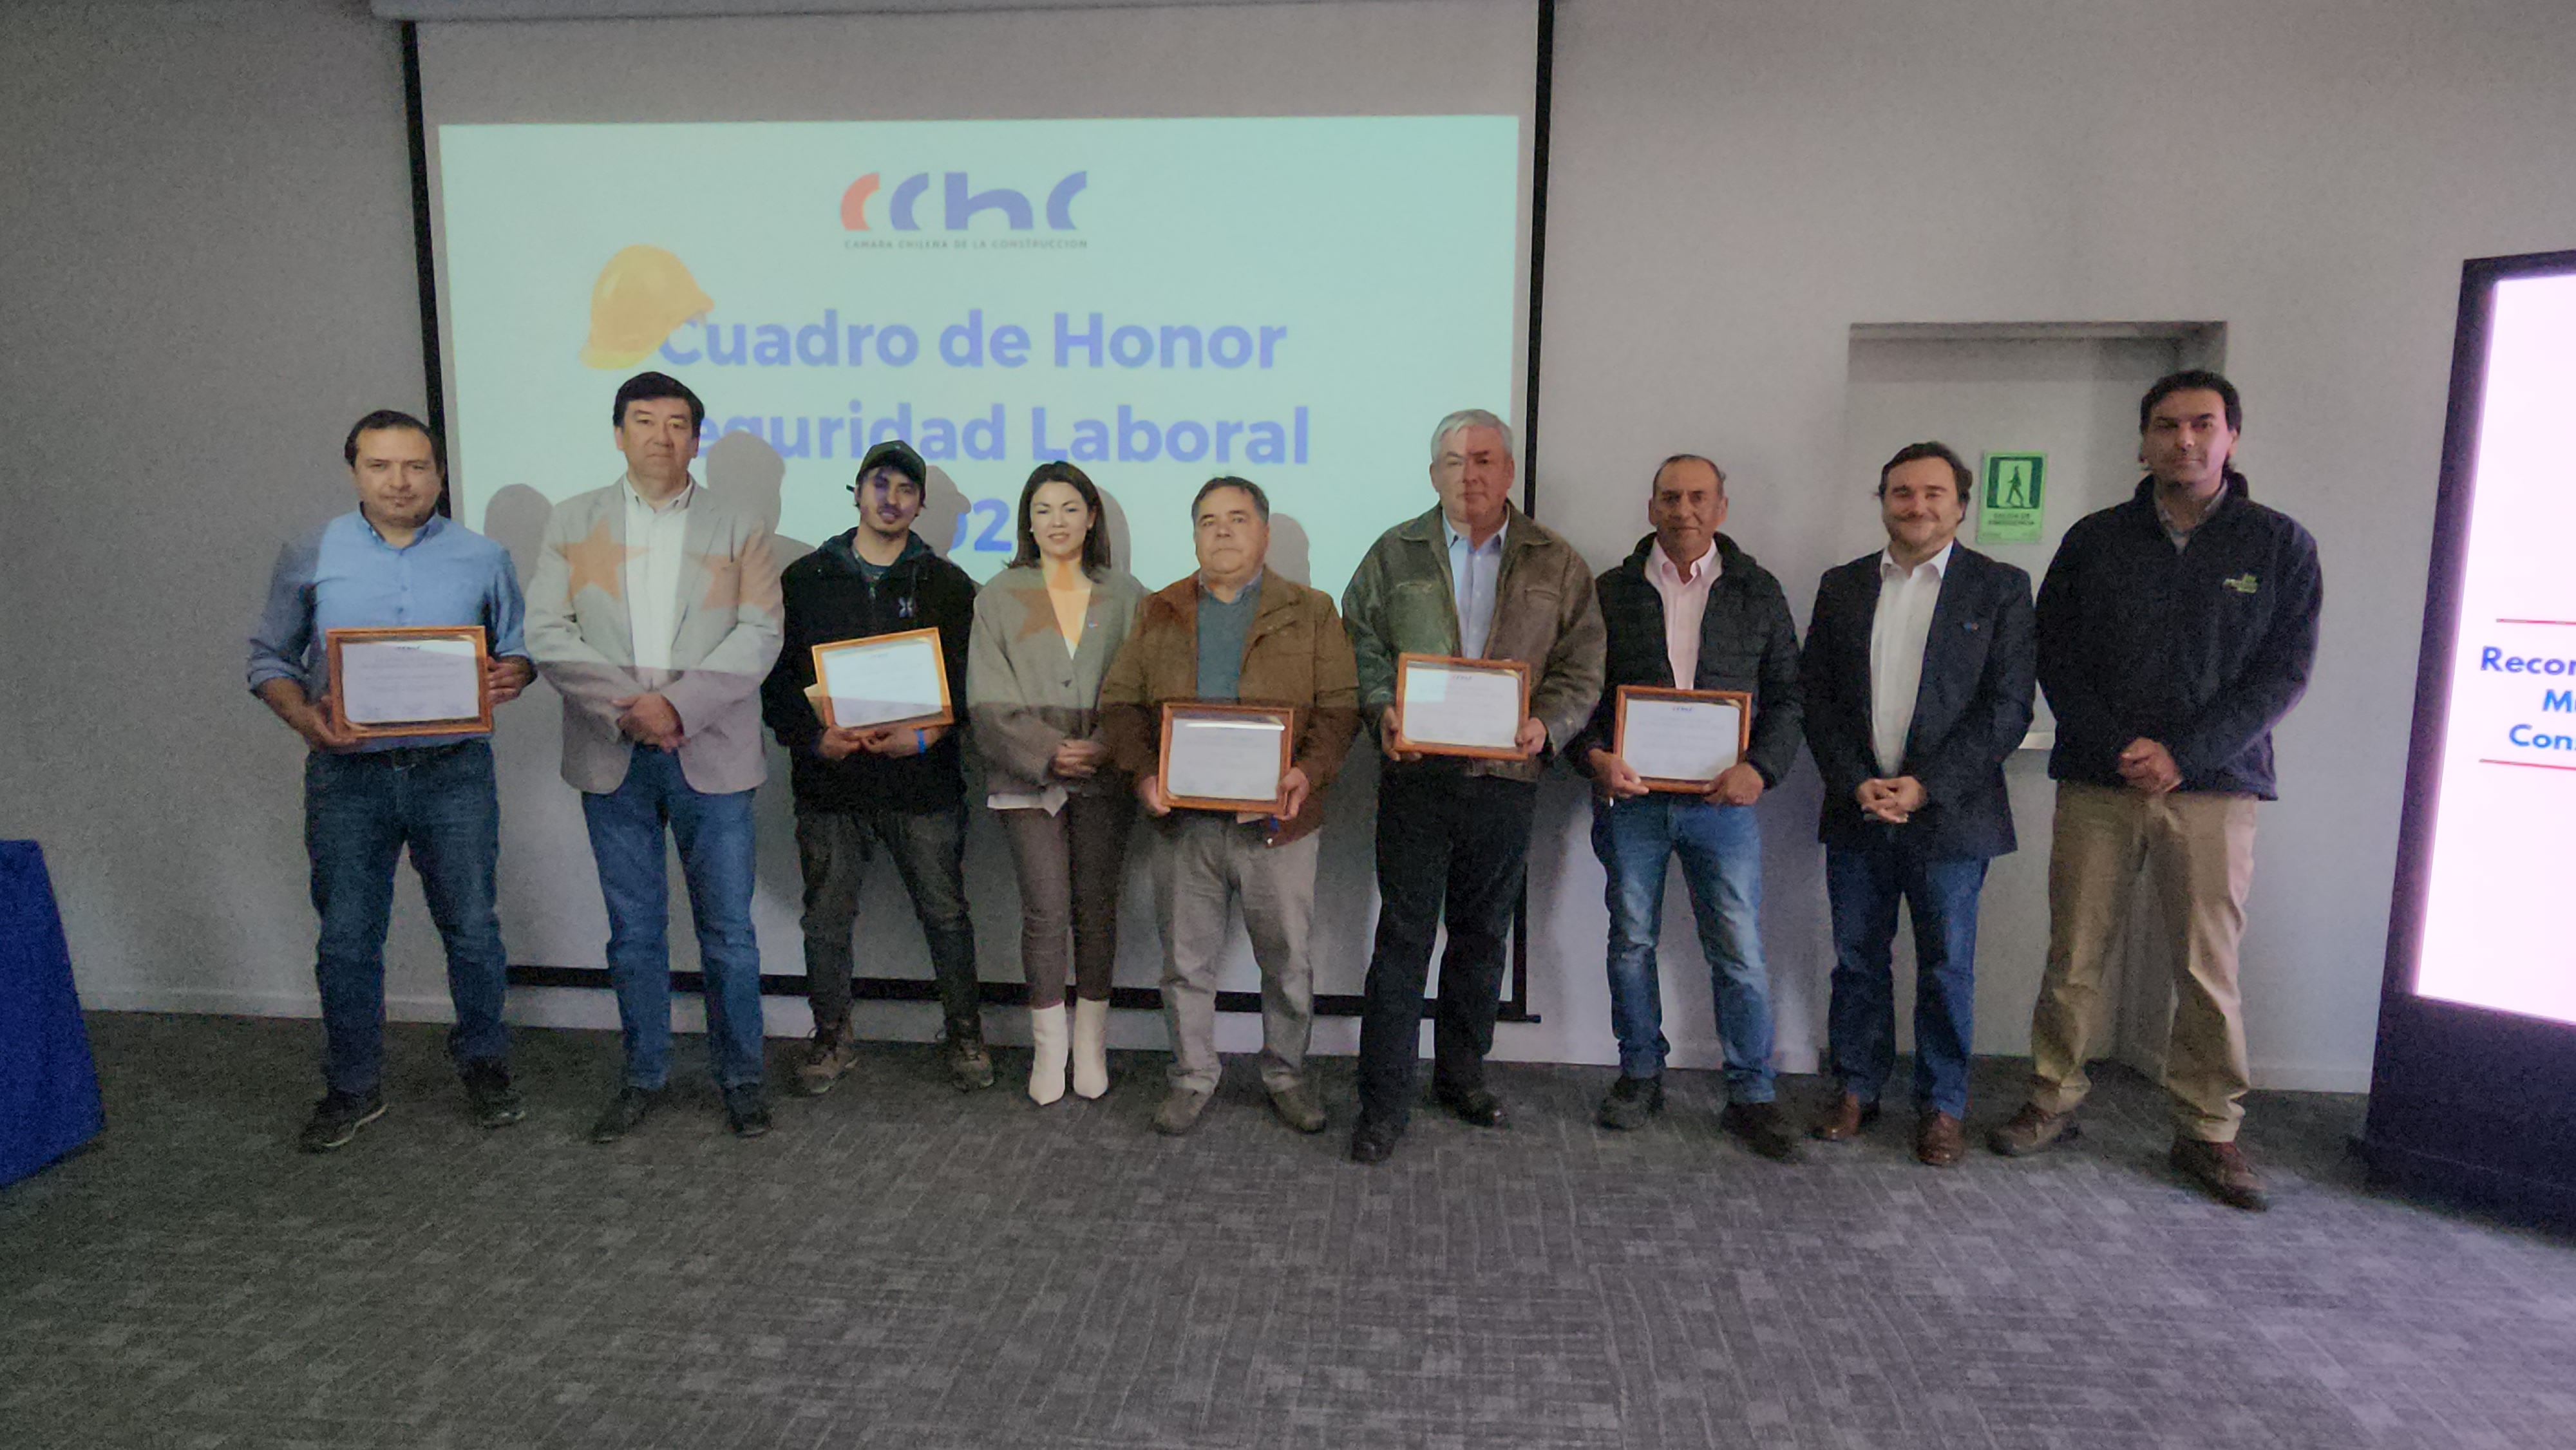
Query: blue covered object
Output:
(48,1086)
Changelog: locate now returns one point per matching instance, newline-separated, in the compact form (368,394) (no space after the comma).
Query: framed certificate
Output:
(883,681)
(1679,740)
(1223,757)
(1450,706)
(418,680)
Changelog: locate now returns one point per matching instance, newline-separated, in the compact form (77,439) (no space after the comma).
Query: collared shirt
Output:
(2175,533)
(1685,604)
(344,575)
(656,557)
(1223,628)
(1898,635)
(1474,572)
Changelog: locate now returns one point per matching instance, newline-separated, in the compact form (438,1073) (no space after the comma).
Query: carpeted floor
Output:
(899,1265)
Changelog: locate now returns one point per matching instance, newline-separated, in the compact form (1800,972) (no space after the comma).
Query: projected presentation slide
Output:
(2496,930)
(1296,301)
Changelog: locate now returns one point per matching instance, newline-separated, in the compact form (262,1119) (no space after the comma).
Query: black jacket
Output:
(1969,715)
(1747,641)
(828,600)
(2201,650)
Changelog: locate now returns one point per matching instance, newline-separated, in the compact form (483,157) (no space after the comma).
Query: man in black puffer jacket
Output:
(902,789)
(2175,630)
(1690,607)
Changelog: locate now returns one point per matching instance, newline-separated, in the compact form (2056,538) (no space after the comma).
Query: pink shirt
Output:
(1685,602)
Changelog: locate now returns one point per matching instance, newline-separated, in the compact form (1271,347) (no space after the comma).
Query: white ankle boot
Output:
(1090,1048)
(1047,1035)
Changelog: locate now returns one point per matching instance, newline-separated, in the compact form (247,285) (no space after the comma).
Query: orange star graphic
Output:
(1037,612)
(749,578)
(598,561)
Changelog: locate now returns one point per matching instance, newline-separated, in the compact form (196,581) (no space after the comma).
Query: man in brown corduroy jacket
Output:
(1234,631)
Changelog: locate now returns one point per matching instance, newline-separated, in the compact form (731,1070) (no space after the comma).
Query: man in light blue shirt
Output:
(1474,570)
(1475,578)
(394,561)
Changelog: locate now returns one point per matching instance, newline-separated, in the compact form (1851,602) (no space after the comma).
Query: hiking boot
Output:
(337,1118)
(2033,1130)
(624,1114)
(746,1110)
(1761,1128)
(828,1055)
(1180,1110)
(489,1096)
(1632,1100)
(1298,1107)
(970,1066)
(2221,1168)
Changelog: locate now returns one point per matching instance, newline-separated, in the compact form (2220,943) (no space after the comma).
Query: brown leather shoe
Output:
(2221,1168)
(1939,1141)
(2034,1129)
(1844,1120)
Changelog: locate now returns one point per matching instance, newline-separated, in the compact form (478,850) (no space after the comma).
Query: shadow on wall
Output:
(749,474)
(1292,554)
(948,516)
(516,519)
(1113,521)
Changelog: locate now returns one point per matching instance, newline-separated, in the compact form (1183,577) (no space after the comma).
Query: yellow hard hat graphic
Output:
(640,296)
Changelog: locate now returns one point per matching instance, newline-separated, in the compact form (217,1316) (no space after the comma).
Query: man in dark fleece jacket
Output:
(2174,631)
(1689,608)
(902,788)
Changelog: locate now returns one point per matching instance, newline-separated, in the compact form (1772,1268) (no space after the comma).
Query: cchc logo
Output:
(961,201)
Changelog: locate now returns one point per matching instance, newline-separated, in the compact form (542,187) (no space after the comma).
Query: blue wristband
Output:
(920,741)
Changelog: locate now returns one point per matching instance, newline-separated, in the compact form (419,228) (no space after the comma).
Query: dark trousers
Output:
(1070,866)
(1452,848)
(360,812)
(929,851)
(1864,885)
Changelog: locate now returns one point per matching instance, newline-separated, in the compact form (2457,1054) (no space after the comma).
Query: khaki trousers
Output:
(2202,845)
(1207,863)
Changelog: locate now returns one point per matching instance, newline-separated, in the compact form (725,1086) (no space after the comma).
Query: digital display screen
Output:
(2495,924)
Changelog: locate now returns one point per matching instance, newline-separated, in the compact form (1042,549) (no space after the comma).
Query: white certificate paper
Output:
(1680,739)
(871,684)
(1444,705)
(1223,758)
(403,682)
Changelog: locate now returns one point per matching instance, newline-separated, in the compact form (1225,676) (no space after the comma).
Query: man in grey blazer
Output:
(655,614)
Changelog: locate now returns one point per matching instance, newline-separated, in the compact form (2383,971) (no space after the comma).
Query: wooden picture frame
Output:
(1179,710)
(848,649)
(336,641)
(1742,700)
(1405,664)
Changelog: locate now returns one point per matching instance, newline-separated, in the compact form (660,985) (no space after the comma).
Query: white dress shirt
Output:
(656,560)
(1898,635)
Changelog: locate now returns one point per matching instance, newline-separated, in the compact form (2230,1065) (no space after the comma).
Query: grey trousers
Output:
(1204,864)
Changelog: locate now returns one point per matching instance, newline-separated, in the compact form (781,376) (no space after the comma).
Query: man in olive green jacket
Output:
(1475,578)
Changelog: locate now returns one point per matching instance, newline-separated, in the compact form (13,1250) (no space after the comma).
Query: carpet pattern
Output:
(900,1265)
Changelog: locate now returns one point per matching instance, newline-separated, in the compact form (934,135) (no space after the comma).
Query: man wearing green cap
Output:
(902,789)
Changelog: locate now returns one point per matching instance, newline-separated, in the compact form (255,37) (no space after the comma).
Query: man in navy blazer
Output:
(1918,672)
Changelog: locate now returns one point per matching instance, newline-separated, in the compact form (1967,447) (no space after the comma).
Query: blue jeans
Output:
(360,811)
(1941,895)
(1721,854)
(715,838)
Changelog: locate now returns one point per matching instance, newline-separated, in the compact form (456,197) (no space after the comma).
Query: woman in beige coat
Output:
(1045,631)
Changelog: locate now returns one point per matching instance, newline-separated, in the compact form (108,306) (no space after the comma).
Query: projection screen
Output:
(1169,243)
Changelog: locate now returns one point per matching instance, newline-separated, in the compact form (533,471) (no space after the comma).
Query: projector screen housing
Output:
(2473,1089)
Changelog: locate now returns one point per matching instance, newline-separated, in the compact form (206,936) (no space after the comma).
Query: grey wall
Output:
(210,271)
